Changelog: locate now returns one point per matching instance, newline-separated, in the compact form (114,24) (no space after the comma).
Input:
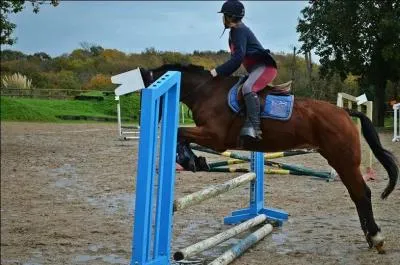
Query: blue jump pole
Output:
(153,246)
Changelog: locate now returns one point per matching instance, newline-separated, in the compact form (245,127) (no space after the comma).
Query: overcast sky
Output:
(132,26)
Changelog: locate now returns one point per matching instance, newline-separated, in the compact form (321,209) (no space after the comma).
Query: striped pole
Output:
(303,170)
(226,163)
(271,155)
(245,170)
(287,153)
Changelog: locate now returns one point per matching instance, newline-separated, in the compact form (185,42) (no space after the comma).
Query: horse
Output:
(314,124)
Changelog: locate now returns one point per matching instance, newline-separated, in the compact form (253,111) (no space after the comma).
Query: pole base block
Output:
(274,215)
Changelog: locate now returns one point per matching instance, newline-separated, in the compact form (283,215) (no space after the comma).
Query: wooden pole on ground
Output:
(242,246)
(219,238)
(212,191)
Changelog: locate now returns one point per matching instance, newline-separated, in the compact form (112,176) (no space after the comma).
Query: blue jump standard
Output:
(256,206)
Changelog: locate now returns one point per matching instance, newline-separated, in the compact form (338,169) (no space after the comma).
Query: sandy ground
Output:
(67,193)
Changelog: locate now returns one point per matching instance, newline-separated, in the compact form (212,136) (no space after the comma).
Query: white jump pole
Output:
(242,246)
(396,127)
(183,115)
(212,191)
(119,116)
(129,82)
(219,238)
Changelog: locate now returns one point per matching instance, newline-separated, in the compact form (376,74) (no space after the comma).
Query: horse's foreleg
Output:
(198,135)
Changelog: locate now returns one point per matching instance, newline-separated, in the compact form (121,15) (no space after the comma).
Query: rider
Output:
(246,50)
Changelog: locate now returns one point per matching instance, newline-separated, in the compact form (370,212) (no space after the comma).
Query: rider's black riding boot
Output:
(251,128)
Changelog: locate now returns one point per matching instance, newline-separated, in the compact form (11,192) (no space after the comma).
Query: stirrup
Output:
(251,134)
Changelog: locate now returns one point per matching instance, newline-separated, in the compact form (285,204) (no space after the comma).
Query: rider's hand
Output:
(213,73)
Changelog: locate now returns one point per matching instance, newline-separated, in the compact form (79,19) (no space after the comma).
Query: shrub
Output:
(16,80)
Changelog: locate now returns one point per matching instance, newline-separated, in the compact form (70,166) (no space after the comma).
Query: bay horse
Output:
(314,124)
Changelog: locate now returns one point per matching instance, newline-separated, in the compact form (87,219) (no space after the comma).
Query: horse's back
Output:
(313,124)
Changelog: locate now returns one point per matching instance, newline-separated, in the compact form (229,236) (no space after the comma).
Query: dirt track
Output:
(66,198)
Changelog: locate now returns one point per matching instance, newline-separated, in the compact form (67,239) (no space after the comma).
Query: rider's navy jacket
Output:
(245,48)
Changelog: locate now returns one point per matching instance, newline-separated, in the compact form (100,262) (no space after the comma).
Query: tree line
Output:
(90,67)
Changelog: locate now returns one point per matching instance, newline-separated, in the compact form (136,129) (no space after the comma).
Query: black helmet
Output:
(233,8)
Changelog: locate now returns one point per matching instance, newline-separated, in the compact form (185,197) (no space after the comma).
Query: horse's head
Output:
(147,76)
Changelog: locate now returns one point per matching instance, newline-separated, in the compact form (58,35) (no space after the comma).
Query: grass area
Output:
(93,94)
(27,109)
(389,122)
(48,110)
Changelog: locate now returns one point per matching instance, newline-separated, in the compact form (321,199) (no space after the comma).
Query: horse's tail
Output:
(386,158)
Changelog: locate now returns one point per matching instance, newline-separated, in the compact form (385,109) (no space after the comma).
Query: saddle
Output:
(283,89)
(276,102)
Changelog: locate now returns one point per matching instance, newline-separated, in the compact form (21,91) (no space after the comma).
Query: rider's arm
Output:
(239,42)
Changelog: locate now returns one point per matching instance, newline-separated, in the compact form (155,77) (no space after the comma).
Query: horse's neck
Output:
(202,90)
(192,89)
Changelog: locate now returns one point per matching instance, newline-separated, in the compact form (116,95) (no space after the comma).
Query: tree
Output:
(10,55)
(99,82)
(91,49)
(358,37)
(62,80)
(42,56)
(16,6)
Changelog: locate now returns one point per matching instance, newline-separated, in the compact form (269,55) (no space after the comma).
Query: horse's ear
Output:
(146,76)
(142,71)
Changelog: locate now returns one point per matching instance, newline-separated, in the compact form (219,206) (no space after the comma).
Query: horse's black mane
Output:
(181,67)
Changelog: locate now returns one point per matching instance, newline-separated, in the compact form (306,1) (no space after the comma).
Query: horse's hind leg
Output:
(362,200)
(371,230)
(350,174)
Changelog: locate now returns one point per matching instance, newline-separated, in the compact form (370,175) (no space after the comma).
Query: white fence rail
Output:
(396,121)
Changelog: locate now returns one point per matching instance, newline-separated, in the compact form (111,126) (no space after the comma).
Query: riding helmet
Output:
(233,8)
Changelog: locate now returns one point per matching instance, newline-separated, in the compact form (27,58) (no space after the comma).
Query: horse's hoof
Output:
(192,165)
(369,241)
(380,248)
(378,240)
(201,164)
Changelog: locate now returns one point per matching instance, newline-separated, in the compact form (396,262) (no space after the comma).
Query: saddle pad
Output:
(277,107)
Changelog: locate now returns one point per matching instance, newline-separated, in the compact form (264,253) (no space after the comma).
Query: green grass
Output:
(24,109)
(92,94)
(389,122)
(47,110)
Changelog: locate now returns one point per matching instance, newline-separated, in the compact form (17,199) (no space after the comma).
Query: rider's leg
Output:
(258,79)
